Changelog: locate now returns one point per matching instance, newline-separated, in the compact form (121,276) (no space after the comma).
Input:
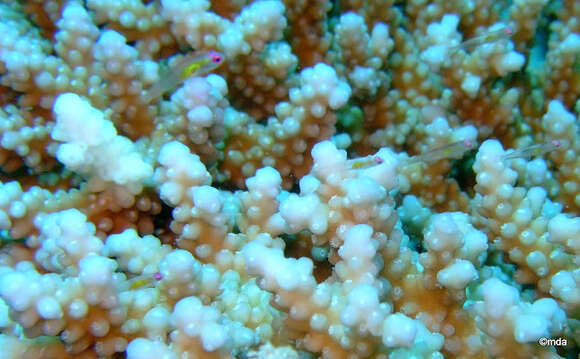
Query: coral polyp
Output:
(289,179)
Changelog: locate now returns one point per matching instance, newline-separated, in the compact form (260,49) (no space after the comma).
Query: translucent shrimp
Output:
(195,64)
(453,150)
(364,162)
(535,150)
(501,33)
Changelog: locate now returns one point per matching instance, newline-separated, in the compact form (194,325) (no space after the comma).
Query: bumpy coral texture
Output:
(358,179)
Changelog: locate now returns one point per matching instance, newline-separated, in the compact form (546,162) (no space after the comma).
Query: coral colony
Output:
(289,179)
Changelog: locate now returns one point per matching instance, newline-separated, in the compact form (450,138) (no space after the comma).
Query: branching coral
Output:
(359,179)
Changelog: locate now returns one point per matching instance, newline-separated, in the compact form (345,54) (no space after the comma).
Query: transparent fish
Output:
(364,162)
(144,281)
(195,64)
(502,33)
(453,150)
(535,150)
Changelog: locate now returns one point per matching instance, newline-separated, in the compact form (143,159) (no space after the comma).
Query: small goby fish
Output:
(453,150)
(535,150)
(195,64)
(504,32)
(145,281)
(364,162)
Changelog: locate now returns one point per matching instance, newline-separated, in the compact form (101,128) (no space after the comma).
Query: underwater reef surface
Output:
(289,179)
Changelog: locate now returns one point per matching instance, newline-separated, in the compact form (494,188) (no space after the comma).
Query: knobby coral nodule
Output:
(286,179)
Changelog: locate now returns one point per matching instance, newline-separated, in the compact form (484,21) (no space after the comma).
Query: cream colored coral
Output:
(77,36)
(255,209)
(92,141)
(521,218)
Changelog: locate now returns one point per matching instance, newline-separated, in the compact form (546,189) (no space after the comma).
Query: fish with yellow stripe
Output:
(144,281)
(364,162)
(195,64)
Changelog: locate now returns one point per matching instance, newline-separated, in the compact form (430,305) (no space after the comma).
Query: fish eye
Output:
(216,58)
